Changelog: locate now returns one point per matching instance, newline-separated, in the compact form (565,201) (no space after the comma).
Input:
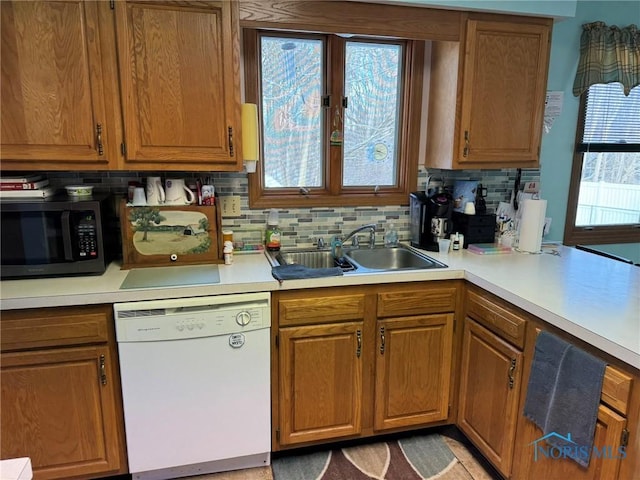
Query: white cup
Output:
(155,192)
(443,245)
(177,193)
(139,198)
(470,208)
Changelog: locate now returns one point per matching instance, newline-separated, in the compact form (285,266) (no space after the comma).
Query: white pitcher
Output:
(178,193)
(155,192)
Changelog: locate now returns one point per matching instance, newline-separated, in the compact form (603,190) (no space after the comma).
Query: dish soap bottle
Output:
(391,237)
(273,234)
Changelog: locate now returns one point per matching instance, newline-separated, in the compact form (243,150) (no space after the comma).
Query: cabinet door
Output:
(413,369)
(58,408)
(179,70)
(52,93)
(320,382)
(603,465)
(504,81)
(489,390)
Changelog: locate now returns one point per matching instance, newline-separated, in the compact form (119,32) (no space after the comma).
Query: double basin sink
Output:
(359,260)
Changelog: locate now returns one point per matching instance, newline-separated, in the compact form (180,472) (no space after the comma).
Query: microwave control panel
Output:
(86,236)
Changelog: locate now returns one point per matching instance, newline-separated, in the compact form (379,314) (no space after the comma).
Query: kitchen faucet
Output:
(338,241)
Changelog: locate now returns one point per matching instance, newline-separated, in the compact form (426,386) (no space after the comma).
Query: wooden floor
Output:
(471,460)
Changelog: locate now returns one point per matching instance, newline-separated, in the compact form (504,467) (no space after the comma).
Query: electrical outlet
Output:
(230,206)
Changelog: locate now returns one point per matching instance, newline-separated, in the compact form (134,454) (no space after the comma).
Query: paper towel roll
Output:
(531,225)
(250,142)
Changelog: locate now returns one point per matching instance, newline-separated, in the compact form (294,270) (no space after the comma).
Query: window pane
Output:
(609,189)
(292,86)
(372,85)
(610,116)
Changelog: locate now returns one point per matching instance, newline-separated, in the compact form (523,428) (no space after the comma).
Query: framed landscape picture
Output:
(169,235)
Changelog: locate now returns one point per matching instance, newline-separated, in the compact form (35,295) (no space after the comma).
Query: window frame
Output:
(590,234)
(334,194)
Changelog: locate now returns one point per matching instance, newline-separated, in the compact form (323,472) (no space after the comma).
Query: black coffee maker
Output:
(430,218)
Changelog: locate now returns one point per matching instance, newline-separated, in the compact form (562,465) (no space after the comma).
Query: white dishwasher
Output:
(195,384)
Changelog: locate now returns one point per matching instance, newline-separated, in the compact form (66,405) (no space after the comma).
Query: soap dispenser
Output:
(273,235)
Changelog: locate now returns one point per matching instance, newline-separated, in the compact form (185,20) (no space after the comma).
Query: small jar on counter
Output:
(228,252)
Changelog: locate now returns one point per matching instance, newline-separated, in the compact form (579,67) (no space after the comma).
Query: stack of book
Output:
(488,249)
(25,186)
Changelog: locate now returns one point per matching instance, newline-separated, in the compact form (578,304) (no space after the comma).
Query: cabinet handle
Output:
(99,139)
(231,141)
(465,152)
(103,371)
(359,340)
(381,340)
(512,369)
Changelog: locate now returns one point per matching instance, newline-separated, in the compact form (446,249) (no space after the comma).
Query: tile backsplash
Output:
(303,226)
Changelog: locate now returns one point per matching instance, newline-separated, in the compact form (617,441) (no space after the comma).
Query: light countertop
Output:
(591,297)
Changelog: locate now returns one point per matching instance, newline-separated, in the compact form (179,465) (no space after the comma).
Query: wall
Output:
(547,8)
(557,145)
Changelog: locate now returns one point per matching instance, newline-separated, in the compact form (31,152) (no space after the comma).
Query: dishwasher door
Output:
(196,384)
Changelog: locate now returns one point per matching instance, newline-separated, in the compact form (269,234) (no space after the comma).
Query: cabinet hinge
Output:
(624,437)
(326,101)
(230,130)
(112,4)
(277,341)
(123,149)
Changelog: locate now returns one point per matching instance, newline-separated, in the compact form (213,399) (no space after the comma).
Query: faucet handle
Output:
(320,243)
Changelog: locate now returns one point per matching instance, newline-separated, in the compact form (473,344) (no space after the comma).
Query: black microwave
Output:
(55,236)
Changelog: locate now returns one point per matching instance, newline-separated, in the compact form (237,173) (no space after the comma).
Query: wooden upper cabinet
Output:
(505,76)
(179,72)
(52,84)
(494,118)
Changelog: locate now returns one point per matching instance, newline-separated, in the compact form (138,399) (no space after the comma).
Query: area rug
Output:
(411,458)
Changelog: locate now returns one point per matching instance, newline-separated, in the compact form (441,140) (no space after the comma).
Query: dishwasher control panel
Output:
(191,318)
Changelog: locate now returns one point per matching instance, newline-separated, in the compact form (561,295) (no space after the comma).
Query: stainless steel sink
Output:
(391,258)
(310,258)
(359,259)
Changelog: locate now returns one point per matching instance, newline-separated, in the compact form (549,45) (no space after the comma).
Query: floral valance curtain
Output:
(608,54)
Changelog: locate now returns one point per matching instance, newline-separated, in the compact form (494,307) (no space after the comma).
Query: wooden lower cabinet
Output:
(320,381)
(61,403)
(352,362)
(615,454)
(537,464)
(413,364)
(490,378)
